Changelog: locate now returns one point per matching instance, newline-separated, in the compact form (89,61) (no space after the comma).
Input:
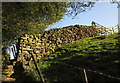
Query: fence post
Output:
(38,69)
(113,30)
(118,28)
(84,76)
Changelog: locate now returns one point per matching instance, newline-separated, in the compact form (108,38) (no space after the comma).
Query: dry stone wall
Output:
(44,45)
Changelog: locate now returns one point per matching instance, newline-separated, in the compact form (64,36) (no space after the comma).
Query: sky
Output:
(103,13)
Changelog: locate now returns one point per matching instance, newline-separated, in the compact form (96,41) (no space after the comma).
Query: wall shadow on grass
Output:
(105,60)
(21,76)
(58,72)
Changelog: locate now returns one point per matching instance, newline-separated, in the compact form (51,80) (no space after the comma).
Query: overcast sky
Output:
(103,13)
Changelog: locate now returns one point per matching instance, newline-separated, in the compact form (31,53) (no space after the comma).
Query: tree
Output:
(20,18)
(77,7)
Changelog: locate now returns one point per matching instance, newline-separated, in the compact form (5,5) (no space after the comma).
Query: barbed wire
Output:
(97,72)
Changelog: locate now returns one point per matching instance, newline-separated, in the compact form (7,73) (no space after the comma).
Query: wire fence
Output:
(84,72)
(93,71)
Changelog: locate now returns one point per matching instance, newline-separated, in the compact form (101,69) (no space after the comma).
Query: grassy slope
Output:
(98,53)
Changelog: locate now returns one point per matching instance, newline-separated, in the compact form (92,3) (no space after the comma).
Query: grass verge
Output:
(100,53)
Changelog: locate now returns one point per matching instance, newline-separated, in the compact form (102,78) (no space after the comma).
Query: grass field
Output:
(100,53)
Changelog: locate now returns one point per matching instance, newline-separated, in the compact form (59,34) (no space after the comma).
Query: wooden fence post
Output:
(118,28)
(84,76)
(38,69)
(113,30)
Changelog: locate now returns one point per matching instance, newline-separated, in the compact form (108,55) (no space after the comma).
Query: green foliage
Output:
(99,53)
(20,18)
(4,59)
(77,7)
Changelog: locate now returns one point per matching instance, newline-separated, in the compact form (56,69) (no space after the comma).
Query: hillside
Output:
(100,53)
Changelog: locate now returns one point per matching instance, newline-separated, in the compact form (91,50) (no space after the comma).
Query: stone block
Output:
(25,52)
(36,51)
(27,49)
